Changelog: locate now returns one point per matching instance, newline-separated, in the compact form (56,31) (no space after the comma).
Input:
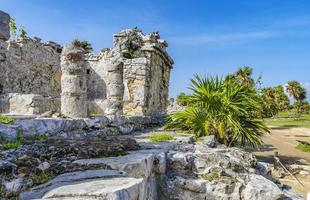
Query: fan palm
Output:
(297,91)
(223,108)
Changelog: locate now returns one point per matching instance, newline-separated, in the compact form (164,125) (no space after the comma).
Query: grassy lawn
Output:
(289,119)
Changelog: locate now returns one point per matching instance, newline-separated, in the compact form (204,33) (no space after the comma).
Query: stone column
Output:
(115,88)
(73,82)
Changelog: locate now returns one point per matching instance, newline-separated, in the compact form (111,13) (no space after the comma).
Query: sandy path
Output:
(284,140)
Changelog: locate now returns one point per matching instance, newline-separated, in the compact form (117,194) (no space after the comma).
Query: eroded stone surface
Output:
(4,26)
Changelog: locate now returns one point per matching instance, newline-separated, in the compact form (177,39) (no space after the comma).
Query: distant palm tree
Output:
(223,108)
(295,89)
(243,75)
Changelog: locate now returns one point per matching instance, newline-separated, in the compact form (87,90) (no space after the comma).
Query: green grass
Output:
(5,119)
(289,119)
(303,147)
(20,140)
(161,137)
(12,145)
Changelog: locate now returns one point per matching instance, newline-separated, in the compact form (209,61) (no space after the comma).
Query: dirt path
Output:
(284,140)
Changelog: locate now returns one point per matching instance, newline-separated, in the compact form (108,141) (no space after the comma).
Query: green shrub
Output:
(161,137)
(224,108)
(5,119)
(303,146)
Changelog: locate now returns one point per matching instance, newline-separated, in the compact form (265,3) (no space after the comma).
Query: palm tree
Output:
(243,75)
(222,108)
(281,98)
(295,89)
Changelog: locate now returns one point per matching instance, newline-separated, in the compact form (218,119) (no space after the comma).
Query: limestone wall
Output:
(130,78)
(30,68)
(145,75)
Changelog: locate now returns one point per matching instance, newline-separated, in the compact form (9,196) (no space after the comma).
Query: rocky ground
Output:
(178,169)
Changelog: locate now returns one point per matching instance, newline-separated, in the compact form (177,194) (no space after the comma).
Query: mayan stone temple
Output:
(131,78)
(84,126)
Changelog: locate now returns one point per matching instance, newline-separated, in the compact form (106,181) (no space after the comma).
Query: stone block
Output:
(4,25)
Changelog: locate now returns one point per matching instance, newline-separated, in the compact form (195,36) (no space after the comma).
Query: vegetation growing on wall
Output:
(83,44)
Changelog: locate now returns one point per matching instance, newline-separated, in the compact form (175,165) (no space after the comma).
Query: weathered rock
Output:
(8,132)
(124,188)
(16,185)
(44,166)
(68,179)
(261,188)
(4,26)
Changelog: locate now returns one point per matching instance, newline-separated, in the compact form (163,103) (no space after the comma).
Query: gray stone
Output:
(261,188)
(8,132)
(16,185)
(68,179)
(263,169)
(44,166)
(4,25)
(124,188)
(291,195)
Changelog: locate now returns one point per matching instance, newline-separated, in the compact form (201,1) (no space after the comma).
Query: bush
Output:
(83,44)
(161,137)
(181,99)
(224,108)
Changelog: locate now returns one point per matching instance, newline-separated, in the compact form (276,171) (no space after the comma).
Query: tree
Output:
(13,27)
(295,89)
(243,76)
(22,32)
(83,44)
(281,98)
(269,103)
(223,108)
(181,99)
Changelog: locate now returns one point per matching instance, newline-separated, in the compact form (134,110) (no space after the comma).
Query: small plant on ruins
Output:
(5,119)
(13,27)
(161,137)
(22,32)
(94,114)
(83,44)
(14,144)
(225,108)
(41,177)
(181,99)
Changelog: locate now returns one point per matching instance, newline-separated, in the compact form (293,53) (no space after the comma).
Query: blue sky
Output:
(205,37)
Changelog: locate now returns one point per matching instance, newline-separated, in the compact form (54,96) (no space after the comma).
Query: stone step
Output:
(116,188)
(138,164)
(69,179)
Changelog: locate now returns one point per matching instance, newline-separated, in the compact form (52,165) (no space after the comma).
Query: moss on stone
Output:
(161,137)
(6,120)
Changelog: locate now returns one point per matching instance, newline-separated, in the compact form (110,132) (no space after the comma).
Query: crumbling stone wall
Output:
(131,78)
(29,73)
(142,84)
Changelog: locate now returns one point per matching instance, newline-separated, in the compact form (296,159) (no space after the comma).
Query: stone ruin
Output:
(131,78)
